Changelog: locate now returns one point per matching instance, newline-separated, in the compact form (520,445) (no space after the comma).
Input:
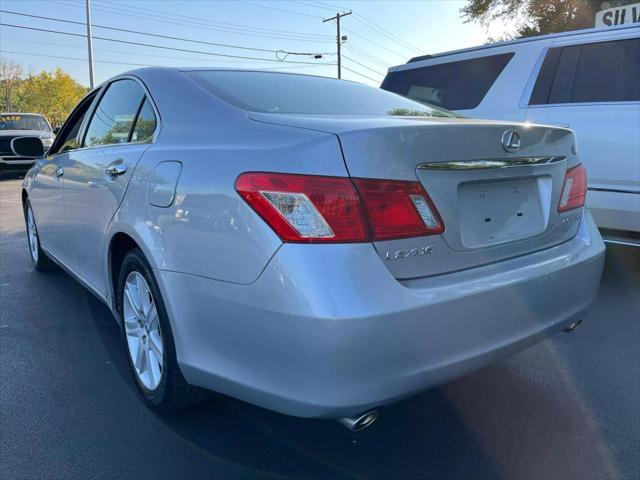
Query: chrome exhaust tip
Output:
(359,422)
(573,326)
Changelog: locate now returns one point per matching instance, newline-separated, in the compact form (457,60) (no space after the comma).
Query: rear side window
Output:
(145,124)
(608,72)
(455,85)
(594,72)
(114,117)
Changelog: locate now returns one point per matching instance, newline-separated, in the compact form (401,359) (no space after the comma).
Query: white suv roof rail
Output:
(526,39)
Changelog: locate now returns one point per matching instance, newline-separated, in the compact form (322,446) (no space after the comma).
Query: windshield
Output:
(271,92)
(23,122)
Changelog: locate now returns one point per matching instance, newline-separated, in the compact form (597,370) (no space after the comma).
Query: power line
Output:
(385,33)
(363,66)
(247,31)
(366,55)
(150,45)
(234,25)
(122,52)
(157,35)
(376,44)
(197,21)
(75,58)
(358,17)
(140,64)
(328,6)
(308,3)
(293,66)
(280,9)
(366,22)
(362,75)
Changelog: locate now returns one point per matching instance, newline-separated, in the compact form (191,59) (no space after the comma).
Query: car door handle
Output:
(116,169)
(59,172)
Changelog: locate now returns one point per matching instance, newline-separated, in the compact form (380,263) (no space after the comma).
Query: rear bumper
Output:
(326,331)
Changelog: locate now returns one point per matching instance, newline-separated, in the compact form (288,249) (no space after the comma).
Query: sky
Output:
(214,33)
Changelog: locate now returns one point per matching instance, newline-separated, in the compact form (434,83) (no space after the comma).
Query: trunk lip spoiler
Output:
(488,164)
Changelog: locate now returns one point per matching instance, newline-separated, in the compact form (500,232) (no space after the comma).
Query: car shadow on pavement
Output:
(9,175)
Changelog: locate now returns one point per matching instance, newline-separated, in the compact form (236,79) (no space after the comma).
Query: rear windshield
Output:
(301,94)
(23,122)
(455,85)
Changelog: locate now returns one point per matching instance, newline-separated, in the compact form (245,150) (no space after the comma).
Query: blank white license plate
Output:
(499,212)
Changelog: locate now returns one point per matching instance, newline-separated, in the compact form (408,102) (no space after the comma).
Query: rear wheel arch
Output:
(120,244)
(172,391)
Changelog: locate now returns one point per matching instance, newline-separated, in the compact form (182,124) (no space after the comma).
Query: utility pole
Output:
(338,36)
(89,44)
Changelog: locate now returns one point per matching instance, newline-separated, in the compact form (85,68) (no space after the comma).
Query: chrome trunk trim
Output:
(484,164)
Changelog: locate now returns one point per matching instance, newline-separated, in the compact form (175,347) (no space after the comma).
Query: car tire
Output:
(41,261)
(148,339)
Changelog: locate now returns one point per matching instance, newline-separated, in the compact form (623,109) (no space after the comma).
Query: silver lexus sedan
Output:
(314,246)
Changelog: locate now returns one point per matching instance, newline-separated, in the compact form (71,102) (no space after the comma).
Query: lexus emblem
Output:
(511,141)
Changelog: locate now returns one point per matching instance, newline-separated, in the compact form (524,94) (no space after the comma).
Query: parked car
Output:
(588,80)
(13,125)
(314,246)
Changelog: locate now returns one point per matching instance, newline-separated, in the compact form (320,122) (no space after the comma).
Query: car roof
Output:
(526,40)
(143,71)
(217,69)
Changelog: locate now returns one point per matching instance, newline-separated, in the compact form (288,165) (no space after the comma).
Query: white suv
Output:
(588,80)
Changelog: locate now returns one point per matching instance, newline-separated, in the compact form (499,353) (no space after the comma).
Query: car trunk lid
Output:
(495,204)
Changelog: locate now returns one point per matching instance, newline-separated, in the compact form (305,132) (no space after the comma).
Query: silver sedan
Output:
(314,246)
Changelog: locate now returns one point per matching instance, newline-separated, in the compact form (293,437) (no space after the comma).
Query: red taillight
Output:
(398,209)
(319,209)
(306,208)
(574,189)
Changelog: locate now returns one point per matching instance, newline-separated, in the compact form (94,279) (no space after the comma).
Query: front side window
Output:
(19,121)
(71,140)
(113,118)
(593,72)
(458,85)
(68,136)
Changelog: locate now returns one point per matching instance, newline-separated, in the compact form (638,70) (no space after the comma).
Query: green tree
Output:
(10,86)
(537,17)
(53,94)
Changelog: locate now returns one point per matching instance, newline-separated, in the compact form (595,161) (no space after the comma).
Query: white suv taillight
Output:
(574,190)
(319,209)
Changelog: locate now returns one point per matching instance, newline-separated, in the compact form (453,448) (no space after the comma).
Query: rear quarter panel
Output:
(208,230)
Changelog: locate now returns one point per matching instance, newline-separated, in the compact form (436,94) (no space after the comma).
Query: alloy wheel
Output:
(142,328)
(33,235)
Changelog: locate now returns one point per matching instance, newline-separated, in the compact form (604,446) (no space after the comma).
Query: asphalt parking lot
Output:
(566,408)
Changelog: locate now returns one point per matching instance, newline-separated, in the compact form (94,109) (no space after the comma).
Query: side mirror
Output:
(29,147)
(56,130)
